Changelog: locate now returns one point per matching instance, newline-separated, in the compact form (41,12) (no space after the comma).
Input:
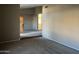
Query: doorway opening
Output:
(30,23)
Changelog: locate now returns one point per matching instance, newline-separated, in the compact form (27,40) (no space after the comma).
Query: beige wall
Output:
(61,24)
(10,23)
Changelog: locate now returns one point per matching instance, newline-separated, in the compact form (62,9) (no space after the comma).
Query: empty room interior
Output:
(39,29)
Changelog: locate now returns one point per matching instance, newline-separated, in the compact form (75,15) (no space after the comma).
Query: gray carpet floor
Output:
(35,45)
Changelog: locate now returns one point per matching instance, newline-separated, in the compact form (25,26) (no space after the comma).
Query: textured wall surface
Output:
(10,23)
(61,24)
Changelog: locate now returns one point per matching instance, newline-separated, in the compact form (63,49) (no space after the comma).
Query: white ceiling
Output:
(29,5)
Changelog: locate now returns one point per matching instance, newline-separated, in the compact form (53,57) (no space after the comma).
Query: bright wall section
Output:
(61,24)
(39,21)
